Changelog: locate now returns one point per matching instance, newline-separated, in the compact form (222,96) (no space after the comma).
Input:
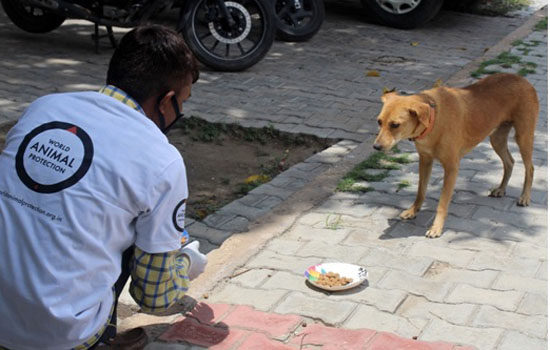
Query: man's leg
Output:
(110,331)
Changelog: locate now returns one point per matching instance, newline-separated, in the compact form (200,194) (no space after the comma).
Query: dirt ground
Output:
(220,158)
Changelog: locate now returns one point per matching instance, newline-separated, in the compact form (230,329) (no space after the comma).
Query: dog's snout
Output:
(377,147)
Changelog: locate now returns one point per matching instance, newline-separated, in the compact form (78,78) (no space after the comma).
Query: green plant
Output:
(506,60)
(360,172)
(350,185)
(498,7)
(335,223)
(542,25)
(403,184)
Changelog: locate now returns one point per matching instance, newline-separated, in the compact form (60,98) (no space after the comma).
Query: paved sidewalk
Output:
(482,285)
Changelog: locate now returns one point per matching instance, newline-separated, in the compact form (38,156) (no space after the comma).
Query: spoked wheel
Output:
(31,19)
(299,20)
(230,46)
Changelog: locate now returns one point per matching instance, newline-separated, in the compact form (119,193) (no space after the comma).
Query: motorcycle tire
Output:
(407,14)
(298,24)
(31,19)
(233,49)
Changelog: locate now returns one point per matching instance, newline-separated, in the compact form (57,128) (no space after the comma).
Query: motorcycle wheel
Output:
(226,48)
(31,19)
(298,20)
(403,14)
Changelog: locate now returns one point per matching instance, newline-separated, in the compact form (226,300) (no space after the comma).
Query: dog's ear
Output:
(421,111)
(387,94)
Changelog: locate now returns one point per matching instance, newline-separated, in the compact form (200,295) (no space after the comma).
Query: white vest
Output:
(82,178)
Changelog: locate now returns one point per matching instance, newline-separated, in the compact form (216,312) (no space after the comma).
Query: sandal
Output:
(133,339)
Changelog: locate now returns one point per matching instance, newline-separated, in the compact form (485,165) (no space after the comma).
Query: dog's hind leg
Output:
(524,138)
(499,141)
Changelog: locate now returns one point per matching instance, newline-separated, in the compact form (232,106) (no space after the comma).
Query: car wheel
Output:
(403,14)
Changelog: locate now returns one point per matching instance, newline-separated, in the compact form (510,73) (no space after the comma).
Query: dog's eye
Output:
(394,125)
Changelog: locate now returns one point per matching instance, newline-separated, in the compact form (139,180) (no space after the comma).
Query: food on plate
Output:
(332,279)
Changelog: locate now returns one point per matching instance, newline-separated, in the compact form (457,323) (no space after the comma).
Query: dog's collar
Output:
(431,123)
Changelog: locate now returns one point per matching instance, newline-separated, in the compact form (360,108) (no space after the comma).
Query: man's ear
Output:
(165,103)
(421,111)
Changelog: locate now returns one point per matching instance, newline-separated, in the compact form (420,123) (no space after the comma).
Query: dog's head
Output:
(401,117)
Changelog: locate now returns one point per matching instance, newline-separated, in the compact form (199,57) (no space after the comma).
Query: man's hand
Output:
(197,260)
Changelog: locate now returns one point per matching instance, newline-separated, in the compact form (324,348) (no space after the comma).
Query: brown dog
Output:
(446,123)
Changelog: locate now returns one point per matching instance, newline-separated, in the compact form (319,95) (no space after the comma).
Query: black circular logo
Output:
(178,217)
(54,156)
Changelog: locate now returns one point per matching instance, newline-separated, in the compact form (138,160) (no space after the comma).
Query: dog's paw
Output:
(497,192)
(408,214)
(434,232)
(523,201)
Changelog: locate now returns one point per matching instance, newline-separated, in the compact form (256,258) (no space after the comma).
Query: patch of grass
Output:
(403,184)
(542,25)
(350,185)
(524,71)
(505,60)
(360,172)
(497,7)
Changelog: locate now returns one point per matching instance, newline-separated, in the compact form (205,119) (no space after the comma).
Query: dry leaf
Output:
(372,73)
(438,83)
(385,90)
(415,43)
(257,178)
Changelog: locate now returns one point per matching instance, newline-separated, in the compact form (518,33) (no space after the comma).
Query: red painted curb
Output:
(225,327)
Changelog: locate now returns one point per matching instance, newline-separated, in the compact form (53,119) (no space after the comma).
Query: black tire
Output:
(31,19)
(403,16)
(241,47)
(298,24)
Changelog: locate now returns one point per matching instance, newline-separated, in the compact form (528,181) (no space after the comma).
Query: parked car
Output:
(404,14)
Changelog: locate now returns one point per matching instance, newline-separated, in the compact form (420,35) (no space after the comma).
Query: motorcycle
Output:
(298,20)
(226,35)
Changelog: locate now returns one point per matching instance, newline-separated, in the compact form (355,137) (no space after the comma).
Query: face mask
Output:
(162,121)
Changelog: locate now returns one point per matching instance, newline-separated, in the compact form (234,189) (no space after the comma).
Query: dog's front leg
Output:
(424,171)
(449,181)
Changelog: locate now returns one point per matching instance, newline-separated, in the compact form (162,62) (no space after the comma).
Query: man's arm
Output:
(158,280)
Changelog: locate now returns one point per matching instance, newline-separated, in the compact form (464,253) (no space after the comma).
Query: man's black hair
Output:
(150,61)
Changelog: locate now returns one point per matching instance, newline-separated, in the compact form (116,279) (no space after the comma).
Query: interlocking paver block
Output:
(513,340)
(259,341)
(490,317)
(331,312)
(191,331)
(369,317)
(481,338)
(386,341)
(260,299)
(344,339)
(504,300)
(277,326)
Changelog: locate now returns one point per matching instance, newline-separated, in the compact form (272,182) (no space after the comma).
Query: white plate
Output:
(357,273)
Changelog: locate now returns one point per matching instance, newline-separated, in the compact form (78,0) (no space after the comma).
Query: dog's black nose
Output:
(377,147)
